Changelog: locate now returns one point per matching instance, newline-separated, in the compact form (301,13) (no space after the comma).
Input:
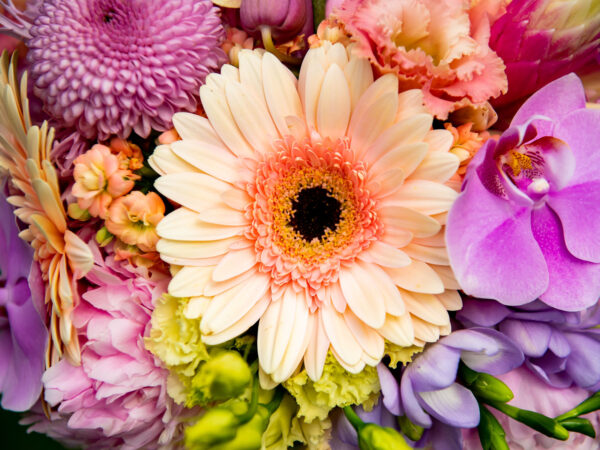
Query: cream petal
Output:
(437,166)
(197,128)
(437,240)
(342,340)
(425,331)
(213,288)
(362,295)
(195,191)
(398,330)
(267,330)
(309,87)
(401,218)
(251,116)
(187,226)
(195,307)
(196,262)
(397,237)
(337,55)
(241,326)
(418,277)
(378,117)
(230,72)
(446,275)
(280,92)
(410,103)
(194,249)
(427,307)
(227,308)
(359,75)
(351,368)
(439,140)
(215,160)
(234,263)
(433,255)
(224,215)
(190,281)
(221,118)
(316,352)
(79,255)
(285,325)
(370,341)
(337,297)
(236,199)
(408,131)
(251,74)
(265,380)
(425,196)
(386,183)
(406,157)
(333,107)
(451,300)
(385,255)
(164,161)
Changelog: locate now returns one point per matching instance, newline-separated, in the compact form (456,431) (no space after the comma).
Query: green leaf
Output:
(318,12)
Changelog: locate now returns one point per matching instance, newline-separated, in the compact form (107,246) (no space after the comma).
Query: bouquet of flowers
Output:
(264,224)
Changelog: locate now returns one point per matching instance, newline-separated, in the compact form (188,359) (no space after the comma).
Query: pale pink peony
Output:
(438,46)
(117,396)
(98,180)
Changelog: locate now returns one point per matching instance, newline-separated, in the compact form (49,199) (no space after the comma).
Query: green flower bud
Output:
(545,425)
(103,236)
(491,433)
(491,388)
(249,435)
(225,375)
(75,212)
(409,429)
(592,403)
(579,425)
(374,437)
(215,427)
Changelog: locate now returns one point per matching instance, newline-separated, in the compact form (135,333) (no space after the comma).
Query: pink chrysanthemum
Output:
(438,46)
(313,207)
(110,67)
(117,397)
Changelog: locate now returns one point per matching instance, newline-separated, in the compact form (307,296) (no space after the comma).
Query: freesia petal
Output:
(454,405)
(532,337)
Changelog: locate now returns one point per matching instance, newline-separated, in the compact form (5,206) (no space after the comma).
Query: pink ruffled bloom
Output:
(534,394)
(438,46)
(117,396)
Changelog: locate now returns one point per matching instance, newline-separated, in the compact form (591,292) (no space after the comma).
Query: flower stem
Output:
(353,418)
(267,39)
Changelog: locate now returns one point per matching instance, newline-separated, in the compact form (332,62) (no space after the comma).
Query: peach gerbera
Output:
(315,207)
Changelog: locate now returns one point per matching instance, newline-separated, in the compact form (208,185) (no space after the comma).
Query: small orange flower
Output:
(133,219)
(99,180)
(130,155)
(466,143)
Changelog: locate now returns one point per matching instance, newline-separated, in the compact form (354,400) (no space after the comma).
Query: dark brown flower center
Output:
(314,211)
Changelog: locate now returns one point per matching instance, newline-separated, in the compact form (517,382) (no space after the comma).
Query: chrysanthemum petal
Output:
(333,107)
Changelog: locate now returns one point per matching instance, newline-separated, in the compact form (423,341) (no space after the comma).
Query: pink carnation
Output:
(438,46)
(117,397)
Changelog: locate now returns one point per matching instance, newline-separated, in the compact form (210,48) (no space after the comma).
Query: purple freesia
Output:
(560,347)
(525,225)
(23,335)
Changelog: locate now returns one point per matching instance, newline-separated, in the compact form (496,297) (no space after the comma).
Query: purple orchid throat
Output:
(526,224)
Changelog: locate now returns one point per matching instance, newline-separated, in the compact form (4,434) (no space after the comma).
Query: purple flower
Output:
(110,67)
(526,224)
(560,347)
(285,18)
(23,335)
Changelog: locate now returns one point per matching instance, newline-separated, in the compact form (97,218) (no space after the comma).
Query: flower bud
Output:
(217,426)
(285,18)
(491,433)
(225,375)
(491,388)
(374,437)
(579,425)
(249,435)
(410,430)
(104,237)
(77,213)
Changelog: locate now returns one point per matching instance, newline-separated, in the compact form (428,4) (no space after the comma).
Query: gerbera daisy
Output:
(315,207)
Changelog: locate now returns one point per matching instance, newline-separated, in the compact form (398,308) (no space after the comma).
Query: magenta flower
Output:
(110,67)
(23,335)
(526,224)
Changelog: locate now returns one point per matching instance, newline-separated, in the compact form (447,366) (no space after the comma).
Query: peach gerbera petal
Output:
(296,212)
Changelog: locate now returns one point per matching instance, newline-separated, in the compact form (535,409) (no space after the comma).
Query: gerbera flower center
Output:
(314,212)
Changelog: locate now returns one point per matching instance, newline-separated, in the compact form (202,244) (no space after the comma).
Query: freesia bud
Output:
(285,18)
(491,388)
(410,430)
(104,237)
(77,213)
(217,426)
(374,437)
(225,375)
(249,435)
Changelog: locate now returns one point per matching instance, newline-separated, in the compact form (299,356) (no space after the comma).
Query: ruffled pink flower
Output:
(117,396)
(434,45)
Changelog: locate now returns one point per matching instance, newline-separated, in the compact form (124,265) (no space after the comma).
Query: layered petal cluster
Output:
(62,255)
(533,394)
(113,67)
(560,347)
(542,40)
(525,224)
(437,46)
(116,397)
(313,206)
(23,333)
